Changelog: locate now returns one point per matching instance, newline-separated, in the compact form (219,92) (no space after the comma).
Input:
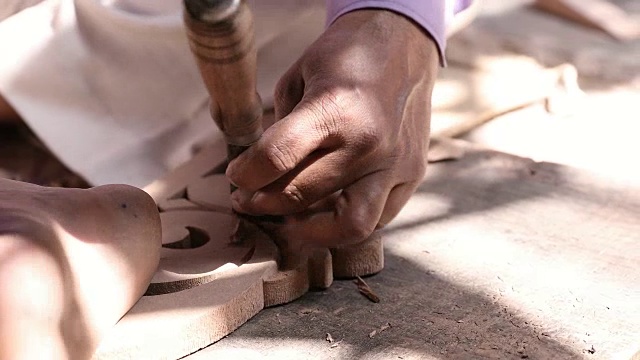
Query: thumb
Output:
(281,148)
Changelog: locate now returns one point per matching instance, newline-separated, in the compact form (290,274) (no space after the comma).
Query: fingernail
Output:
(240,199)
(229,173)
(234,186)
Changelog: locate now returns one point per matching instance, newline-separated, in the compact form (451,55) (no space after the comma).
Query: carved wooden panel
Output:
(206,287)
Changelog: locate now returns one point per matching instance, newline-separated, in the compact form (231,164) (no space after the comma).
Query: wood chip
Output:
(366,290)
(329,338)
(339,310)
(378,331)
(308,311)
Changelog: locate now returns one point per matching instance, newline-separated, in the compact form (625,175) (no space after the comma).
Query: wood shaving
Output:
(365,290)
(339,310)
(329,338)
(308,311)
(378,331)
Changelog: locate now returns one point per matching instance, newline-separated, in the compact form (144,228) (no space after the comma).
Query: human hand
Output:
(349,145)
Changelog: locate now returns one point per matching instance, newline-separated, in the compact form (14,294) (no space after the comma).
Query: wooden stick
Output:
(221,37)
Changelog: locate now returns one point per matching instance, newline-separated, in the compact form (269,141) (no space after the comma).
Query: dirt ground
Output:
(529,255)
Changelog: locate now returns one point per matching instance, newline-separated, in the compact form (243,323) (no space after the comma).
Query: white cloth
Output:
(111,87)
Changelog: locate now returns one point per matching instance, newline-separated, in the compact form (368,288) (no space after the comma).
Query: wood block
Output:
(205,287)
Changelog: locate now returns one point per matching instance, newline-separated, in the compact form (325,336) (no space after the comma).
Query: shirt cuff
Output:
(430,15)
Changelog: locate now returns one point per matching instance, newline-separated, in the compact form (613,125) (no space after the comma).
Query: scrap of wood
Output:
(366,290)
(378,331)
(329,338)
(557,87)
(444,149)
(597,14)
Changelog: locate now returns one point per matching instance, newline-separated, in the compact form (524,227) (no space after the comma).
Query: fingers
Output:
(279,153)
(396,200)
(313,180)
(280,149)
(356,213)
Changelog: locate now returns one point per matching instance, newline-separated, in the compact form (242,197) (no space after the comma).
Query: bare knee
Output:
(135,211)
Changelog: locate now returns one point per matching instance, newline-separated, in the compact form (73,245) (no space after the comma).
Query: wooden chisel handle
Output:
(222,39)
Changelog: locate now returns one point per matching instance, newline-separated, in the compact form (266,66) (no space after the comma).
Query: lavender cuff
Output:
(430,14)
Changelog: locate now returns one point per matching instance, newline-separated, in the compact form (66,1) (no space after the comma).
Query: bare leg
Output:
(31,301)
(72,262)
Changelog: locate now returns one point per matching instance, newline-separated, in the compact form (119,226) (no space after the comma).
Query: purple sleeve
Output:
(430,14)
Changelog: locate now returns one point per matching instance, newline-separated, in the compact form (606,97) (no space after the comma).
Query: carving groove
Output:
(196,238)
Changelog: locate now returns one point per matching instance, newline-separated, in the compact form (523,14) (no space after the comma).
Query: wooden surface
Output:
(494,257)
